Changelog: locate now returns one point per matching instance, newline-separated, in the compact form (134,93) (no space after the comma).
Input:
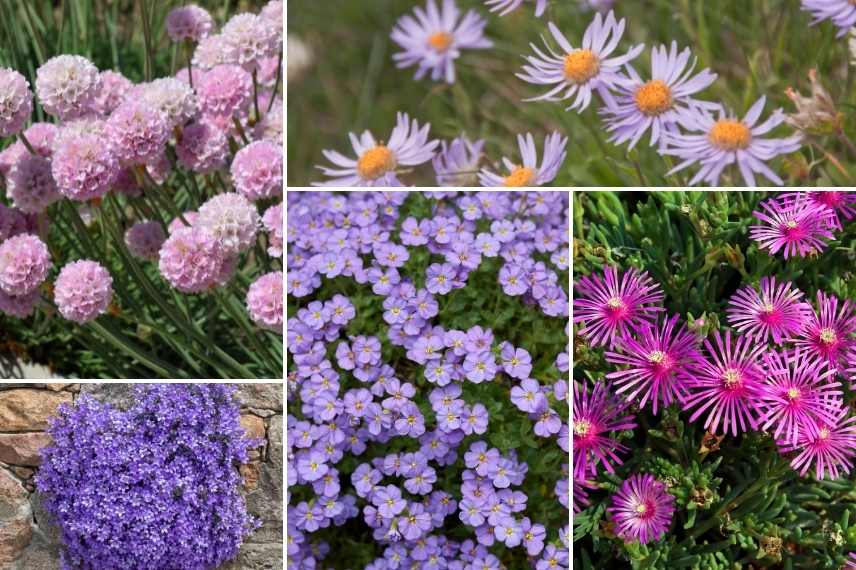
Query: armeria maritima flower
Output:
(432,39)
(828,334)
(796,227)
(505,7)
(594,416)
(16,102)
(800,391)
(529,173)
(716,142)
(189,22)
(842,13)
(257,170)
(376,163)
(67,86)
(83,291)
(264,301)
(578,72)
(656,104)
(24,264)
(777,312)
(828,446)
(662,361)
(729,384)
(642,509)
(612,305)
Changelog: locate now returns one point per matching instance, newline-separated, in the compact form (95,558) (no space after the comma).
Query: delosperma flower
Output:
(83,291)
(529,172)
(83,166)
(642,509)
(828,446)
(137,132)
(794,227)
(191,259)
(612,305)
(30,184)
(257,170)
(828,333)
(457,162)
(799,391)
(662,362)
(505,7)
(24,264)
(231,219)
(376,162)
(655,105)
(577,73)
(264,301)
(595,415)
(67,86)
(144,239)
(432,39)
(716,142)
(842,204)
(776,313)
(842,13)
(189,22)
(203,147)
(16,102)
(728,385)
(226,91)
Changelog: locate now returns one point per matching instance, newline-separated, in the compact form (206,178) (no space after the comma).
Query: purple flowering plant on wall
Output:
(427,357)
(152,487)
(714,376)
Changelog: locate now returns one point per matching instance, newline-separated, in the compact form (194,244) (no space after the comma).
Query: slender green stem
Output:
(277,83)
(124,344)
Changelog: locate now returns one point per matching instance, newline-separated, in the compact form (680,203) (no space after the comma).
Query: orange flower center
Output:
(654,98)
(440,42)
(730,135)
(581,65)
(375,162)
(520,176)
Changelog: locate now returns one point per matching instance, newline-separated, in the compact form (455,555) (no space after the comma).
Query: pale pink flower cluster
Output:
(67,86)
(257,170)
(83,291)
(24,264)
(189,22)
(264,301)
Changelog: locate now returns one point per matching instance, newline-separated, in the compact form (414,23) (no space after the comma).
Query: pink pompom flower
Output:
(257,170)
(249,39)
(41,137)
(264,301)
(114,88)
(144,239)
(642,509)
(232,220)
(170,95)
(24,264)
(209,53)
(189,22)
(272,221)
(83,166)
(225,91)
(30,184)
(597,414)
(67,86)
(203,147)
(137,132)
(191,260)
(16,102)
(19,306)
(83,291)
(777,312)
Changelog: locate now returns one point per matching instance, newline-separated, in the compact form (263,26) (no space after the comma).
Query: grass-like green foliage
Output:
(757,47)
(483,303)
(156,332)
(738,501)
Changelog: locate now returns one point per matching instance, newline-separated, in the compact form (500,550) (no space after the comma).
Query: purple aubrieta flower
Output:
(655,104)
(529,173)
(475,419)
(553,558)
(440,278)
(842,13)
(516,362)
(642,509)
(505,7)
(376,163)
(714,143)
(457,162)
(433,39)
(578,72)
(797,226)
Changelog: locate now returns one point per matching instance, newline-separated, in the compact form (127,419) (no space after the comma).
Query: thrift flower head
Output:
(19,306)
(655,104)
(83,166)
(457,162)
(576,73)
(842,13)
(232,219)
(225,91)
(16,102)
(776,312)
(828,446)
(30,184)
(596,414)
(272,221)
(505,7)
(137,132)
(609,306)
(210,52)
(529,173)
(714,143)
(249,39)
(171,96)
(83,291)
(191,260)
(376,162)
(257,170)
(433,38)
(113,88)
(642,509)
(67,86)
(796,227)
(144,239)
(203,147)
(24,264)
(264,301)
(189,22)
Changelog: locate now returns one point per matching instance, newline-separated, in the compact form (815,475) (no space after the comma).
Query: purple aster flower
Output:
(829,446)
(608,306)
(800,391)
(433,39)
(388,501)
(842,13)
(594,416)
(457,162)
(516,362)
(528,396)
(642,509)
(777,312)
(529,173)
(578,72)
(505,7)
(655,104)
(828,334)
(376,163)
(312,466)
(662,362)
(16,102)
(717,142)
(480,367)
(729,384)
(797,226)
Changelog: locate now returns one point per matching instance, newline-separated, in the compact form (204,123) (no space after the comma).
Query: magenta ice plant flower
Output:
(829,332)
(595,415)
(529,172)
(796,227)
(642,509)
(776,313)
(828,446)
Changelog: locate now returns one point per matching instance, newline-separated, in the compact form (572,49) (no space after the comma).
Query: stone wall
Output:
(29,542)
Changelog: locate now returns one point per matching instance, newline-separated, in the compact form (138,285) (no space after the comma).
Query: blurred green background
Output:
(757,47)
